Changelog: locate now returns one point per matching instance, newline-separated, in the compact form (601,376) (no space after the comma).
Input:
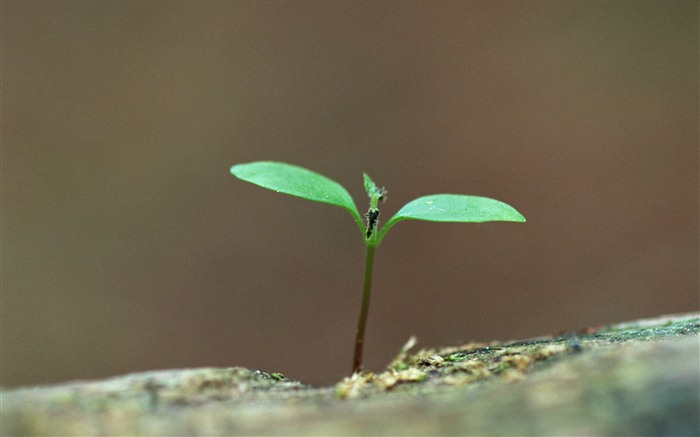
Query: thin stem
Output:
(364,310)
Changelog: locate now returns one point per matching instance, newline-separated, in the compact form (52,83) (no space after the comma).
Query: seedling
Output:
(300,182)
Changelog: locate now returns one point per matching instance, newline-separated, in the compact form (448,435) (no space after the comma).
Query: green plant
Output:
(300,182)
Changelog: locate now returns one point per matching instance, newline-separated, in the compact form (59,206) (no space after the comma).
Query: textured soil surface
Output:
(636,378)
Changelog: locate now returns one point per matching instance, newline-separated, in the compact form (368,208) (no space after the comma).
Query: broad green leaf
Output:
(296,181)
(454,208)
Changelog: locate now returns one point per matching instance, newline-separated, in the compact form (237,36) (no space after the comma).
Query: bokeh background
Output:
(127,245)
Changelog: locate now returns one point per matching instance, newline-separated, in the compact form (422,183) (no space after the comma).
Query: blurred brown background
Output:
(127,245)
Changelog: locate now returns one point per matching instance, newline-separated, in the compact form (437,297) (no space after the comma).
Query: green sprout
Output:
(304,183)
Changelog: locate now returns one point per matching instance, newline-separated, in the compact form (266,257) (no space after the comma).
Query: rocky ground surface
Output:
(636,378)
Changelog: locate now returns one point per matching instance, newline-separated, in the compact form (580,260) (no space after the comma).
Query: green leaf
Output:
(454,208)
(296,181)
